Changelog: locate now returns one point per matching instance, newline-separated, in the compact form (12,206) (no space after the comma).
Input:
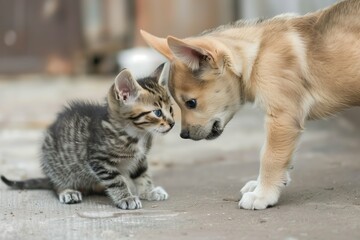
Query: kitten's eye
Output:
(158,113)
(191,104)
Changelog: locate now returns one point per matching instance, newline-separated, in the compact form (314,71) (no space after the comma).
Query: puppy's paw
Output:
(69,196)
(249,187)
(129,203)
(157,194)
(258,200)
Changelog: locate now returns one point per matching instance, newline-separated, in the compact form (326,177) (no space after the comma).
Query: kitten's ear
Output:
(126,87)
(165,74)
(162,74)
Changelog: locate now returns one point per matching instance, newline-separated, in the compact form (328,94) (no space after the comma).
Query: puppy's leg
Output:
(283,132)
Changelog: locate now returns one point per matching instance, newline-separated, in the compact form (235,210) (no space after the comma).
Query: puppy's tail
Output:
(35,183)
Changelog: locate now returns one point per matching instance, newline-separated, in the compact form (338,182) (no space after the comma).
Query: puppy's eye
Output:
(191,104)
(158,113)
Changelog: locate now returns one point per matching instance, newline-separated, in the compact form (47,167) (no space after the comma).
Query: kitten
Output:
(92,147)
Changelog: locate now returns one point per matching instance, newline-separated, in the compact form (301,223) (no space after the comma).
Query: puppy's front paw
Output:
(249,187)
(157,194)
(129,203)
(258,200)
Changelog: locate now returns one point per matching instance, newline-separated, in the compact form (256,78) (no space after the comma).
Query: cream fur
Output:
(294,67)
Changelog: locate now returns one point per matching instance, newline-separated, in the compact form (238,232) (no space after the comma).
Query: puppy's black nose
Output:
(185,134)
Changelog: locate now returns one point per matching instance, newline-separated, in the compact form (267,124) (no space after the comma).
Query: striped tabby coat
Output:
(92,147)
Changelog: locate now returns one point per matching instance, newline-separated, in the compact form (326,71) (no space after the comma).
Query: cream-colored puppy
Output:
(294,67)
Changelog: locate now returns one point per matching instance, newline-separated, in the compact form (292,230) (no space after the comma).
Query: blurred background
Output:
(53,51)
(86,36)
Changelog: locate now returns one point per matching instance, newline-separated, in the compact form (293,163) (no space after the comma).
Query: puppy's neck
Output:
(243,58)
(242,55)
(244,62)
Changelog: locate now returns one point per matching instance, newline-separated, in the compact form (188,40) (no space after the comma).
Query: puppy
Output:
(293,67)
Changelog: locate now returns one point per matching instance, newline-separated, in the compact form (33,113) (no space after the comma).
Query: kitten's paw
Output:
(129,203)
(69,196)
(157,194)
(249,187)
(258,199)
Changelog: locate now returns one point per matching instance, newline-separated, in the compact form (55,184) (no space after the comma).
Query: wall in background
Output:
(66,36)
(269,8)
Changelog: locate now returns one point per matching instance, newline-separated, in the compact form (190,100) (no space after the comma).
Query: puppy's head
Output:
(202,83)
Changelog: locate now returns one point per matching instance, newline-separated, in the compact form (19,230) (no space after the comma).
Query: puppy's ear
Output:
(159,44)
(126,87)
(191,53)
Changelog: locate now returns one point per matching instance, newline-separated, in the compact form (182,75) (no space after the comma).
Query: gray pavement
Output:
(202,178)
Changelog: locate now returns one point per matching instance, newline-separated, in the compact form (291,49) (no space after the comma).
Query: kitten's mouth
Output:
(163,132)
(216,131)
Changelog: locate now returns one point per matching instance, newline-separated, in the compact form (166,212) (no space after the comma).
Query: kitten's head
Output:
(144,104)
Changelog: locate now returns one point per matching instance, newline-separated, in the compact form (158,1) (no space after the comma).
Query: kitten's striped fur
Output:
(92,147)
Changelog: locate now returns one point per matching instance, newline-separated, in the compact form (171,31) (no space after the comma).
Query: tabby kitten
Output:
(93,147)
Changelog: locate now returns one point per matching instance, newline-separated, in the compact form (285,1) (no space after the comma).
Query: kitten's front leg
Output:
(282,134)
(146,189)
(115,185)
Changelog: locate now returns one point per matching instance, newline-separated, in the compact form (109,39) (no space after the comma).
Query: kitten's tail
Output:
(35,183)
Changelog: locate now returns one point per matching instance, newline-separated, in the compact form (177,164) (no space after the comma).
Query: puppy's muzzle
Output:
(185,134)
(216,131)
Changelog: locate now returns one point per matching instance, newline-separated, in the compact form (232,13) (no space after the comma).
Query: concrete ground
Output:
(202,178)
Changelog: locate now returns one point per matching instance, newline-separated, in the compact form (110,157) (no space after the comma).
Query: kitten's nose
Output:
(171,124)
(185,134)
